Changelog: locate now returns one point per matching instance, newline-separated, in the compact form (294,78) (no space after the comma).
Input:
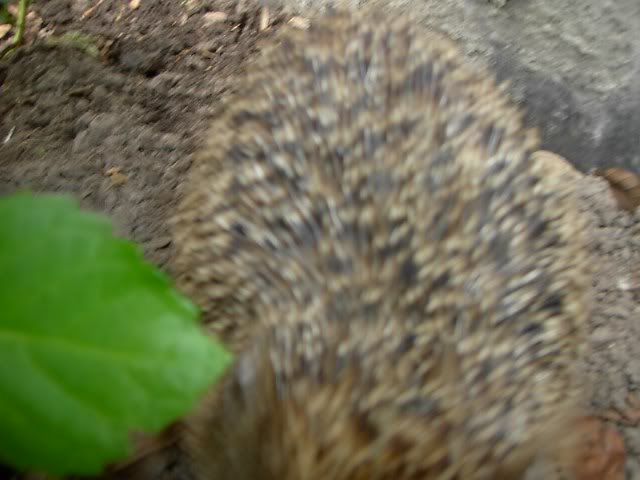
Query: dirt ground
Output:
(109,102)
(118,130)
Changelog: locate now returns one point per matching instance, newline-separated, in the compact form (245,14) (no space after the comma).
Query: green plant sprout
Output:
(19,23)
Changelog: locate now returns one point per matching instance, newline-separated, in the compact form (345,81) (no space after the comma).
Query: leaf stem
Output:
(23,6)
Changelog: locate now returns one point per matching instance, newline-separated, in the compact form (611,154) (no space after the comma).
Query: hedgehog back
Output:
(368,204)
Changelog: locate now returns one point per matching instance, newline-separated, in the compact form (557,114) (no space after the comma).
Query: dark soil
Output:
(114,117)
(118,131)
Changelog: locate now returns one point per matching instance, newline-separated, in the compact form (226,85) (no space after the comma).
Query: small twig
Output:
(89,11)
(264,18)
(9,135)
(23,6)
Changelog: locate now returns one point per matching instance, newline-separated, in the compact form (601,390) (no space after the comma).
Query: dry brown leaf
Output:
(119,179)
(116,176)
(299,22)
(625,186)
(602,455)
(4,29)
(211,18)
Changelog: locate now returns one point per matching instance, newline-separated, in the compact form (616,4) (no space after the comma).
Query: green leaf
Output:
(94,342)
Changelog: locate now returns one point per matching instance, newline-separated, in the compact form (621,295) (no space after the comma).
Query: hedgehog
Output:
(403,288)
